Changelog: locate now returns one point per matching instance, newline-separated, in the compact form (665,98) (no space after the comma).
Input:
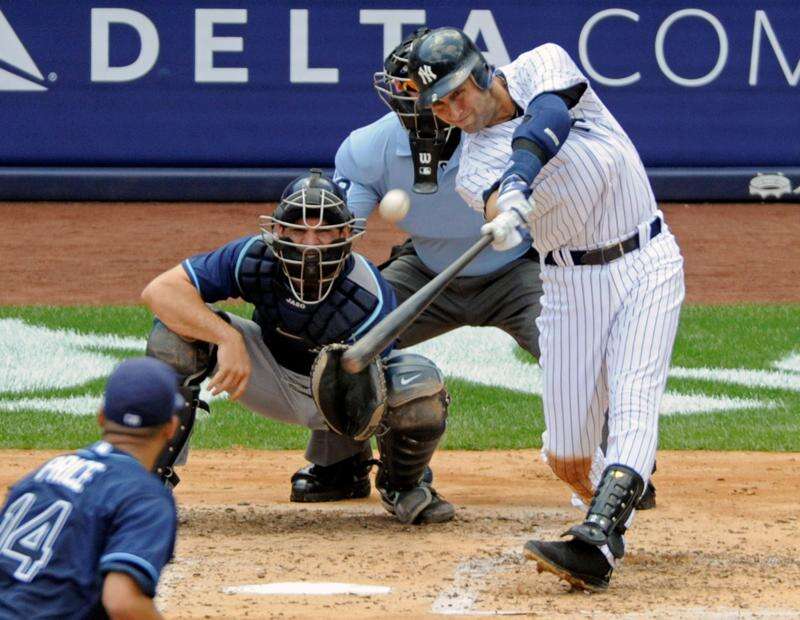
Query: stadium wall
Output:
(146,100)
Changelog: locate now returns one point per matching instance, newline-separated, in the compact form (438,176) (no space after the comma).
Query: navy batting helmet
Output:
(312,202)
(442,60)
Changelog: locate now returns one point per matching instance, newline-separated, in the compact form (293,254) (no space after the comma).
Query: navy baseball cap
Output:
(142,392)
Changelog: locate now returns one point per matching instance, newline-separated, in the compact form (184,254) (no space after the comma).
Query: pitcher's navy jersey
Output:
(293,331)
(72,521)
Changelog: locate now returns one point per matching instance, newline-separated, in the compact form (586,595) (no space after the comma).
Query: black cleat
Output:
(347,479)
(582,565)
(648,499)
(419,505)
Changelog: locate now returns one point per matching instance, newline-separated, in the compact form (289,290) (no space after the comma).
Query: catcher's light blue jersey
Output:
(72,521)
(377,158)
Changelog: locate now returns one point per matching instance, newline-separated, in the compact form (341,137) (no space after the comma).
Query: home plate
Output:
(306,588)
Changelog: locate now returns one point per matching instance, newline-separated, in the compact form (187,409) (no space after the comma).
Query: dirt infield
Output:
(99,253)
(721,544)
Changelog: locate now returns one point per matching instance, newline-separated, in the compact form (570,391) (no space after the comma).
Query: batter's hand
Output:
(233,367)
(504,230)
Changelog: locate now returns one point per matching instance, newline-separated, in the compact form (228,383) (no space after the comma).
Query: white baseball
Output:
(395,205)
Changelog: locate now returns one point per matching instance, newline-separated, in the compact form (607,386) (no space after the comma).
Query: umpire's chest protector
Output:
(291,329)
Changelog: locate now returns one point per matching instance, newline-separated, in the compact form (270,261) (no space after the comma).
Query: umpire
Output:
(410,149)
(87,534)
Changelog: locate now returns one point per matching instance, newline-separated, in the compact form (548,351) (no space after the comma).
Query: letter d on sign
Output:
(148,52)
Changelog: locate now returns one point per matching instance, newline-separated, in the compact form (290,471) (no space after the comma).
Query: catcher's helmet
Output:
(312,201)
(443,59)
(427,134)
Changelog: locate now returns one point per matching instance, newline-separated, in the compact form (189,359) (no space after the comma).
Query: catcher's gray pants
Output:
(281,394)
(507,298)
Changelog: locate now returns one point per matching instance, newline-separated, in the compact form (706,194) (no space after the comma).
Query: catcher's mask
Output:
(312,202)
(427,134)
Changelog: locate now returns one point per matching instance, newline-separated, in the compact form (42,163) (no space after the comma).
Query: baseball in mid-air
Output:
(395,205)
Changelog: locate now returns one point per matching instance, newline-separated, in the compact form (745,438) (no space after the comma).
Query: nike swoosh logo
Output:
(407,380)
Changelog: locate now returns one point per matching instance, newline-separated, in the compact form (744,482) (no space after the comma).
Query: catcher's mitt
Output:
(352,405)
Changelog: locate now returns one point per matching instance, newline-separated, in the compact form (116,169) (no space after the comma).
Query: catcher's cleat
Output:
(582,565)
(419,505)
(648,499)
(347,479)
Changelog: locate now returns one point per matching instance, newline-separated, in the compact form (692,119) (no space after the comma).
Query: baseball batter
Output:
(309,291)
(545,155)
(409,149)
(87,534)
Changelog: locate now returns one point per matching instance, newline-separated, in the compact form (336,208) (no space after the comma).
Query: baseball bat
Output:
(356,358)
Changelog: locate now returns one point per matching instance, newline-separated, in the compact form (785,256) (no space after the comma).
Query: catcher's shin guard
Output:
(193,360)
(412,428)
(613,502)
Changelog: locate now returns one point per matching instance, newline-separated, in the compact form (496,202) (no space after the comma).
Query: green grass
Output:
(481,417)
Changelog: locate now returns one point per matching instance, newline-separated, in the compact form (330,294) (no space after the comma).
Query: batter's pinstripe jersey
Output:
(594,191)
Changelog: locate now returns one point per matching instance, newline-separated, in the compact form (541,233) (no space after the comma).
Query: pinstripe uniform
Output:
(606,330)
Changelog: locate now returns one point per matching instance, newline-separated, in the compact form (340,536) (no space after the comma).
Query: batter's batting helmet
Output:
(312,202)
(427,134)
(442,60)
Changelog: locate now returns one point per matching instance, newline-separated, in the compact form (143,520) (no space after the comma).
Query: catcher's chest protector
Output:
(291,329)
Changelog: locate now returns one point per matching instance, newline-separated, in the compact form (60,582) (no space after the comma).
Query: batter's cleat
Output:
(347,479)
(419,506)
(582,565)
(648,499)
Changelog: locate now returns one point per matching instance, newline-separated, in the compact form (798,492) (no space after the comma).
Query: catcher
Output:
(312,296)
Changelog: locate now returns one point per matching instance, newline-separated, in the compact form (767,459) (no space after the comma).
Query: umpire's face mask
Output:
(428,137)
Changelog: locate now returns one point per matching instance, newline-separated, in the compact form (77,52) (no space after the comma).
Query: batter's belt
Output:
(601,256)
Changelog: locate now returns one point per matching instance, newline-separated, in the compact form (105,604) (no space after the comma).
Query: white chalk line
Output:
(307,588)
(460,597)
(40,358)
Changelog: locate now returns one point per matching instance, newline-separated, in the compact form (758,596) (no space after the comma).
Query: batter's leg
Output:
(640,348)
(573,336)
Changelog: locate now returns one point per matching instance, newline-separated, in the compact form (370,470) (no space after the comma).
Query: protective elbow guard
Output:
(539,137)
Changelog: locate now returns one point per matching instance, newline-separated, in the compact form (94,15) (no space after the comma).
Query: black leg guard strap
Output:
(164,466)
(613,502)
(193,360)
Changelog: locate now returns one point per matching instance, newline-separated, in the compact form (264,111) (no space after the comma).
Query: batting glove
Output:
(515,207)
(504,230)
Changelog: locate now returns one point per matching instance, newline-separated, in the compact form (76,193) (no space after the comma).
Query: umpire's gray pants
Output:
(507,298)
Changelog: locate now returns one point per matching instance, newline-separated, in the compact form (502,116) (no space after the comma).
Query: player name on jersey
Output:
(70,471)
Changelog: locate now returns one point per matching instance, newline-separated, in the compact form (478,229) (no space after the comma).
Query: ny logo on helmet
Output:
(426,74)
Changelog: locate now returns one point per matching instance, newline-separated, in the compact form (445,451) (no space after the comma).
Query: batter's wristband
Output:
(524,163)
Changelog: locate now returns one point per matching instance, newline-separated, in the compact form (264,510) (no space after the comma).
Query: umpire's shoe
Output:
(347,479)
(648,499)
(582,565)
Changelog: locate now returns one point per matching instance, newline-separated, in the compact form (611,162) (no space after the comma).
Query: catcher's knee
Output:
(417,400)
(193,360)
